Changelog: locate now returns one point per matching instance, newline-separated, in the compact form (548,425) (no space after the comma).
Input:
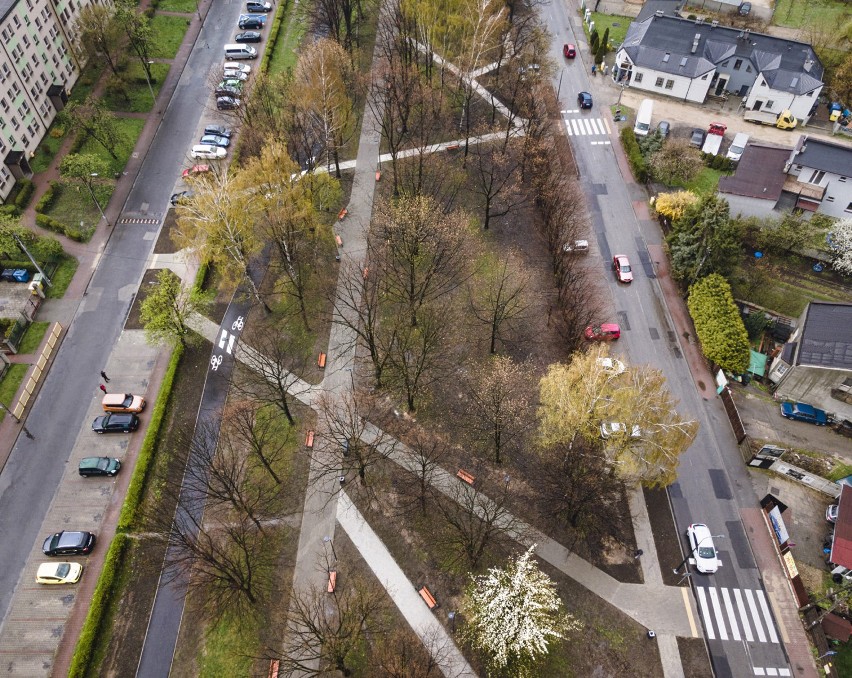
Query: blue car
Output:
(804,412)
(584,100)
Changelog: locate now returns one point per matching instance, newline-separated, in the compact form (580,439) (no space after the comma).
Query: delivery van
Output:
(237,51)
(643,118)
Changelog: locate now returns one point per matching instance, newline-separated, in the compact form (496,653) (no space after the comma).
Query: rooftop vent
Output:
(714,23)
(794,82)
(695,42)
(666,58)
(683,62)
(659,14)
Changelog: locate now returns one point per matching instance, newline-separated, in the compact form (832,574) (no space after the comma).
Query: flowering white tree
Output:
(841,246)
(514,614)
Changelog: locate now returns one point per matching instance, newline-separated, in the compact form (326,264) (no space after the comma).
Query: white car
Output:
(233,74)
(237,66)
(208,152)
(702,549)
(614,428)
(611,366)
(58,573)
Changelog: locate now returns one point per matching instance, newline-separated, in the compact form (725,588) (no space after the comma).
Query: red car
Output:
(569,51)
(603,332)
(195,169)
(621,266)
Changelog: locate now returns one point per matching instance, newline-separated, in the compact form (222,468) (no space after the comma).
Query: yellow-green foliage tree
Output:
(720,329)
(673,205)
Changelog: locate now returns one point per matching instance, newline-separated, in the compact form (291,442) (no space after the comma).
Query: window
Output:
(15,89)
(5,34)
(25,140)
(25,40)
(816,177)
(748,69)
(15,123)
(738,64)
(726,64)
(842,180)
(637,77)
(2,147)
(770,104)
(669,84)
(4,105)
(705,76)
(37,23)
(659,82)
(16,21)
(830,198)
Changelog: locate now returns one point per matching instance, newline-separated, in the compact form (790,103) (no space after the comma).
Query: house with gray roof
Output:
(691,60)
(815,365)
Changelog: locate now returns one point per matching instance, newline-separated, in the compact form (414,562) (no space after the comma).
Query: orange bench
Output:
(453,147)
(274,664)
(332,580)
(309,439)
(338,240)
(428,598)
(342,213)
(465,476)
(321,360)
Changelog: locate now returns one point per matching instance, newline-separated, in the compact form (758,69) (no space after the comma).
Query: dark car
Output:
(697,138)
(214,140)
(663,128)
(745,9)
(99,466)
(232,92)
(227,103)
(69,544)
(804,412)
(569,51)
(115,423)
(218,130)
(180,197)
(254,6)
(584,100)
(248,36)
(249,21)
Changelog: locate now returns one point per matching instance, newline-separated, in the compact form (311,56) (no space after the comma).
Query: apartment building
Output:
(38,67)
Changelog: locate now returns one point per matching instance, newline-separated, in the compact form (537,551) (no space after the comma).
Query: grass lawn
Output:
(168,32)
(86,82)
(616,24)
(227,648)
(186,6)
(130,129)
(33,336)
(75,204)
(138,95)
(48,147)
(706,182)
(804,13)
(61,278)
(284,56)
(10,383)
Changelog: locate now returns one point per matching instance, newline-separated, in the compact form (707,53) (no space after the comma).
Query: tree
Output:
(496,172)
(676,162)
(718,324)
(99,35)
(514,615)
(499,300)
(137,29)
(85,168)
(841,83)
(841,246)
(167,309)
(400,654)
(428,453)
(250,426)
(674,205)
(594,41)
(92,118)
(792,232)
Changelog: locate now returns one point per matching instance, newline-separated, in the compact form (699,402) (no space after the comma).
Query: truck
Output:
(782,120)
(713,142)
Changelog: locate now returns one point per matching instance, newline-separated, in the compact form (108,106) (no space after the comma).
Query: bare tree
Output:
(496,171)
(428,453)
(401,654)
(246,425)
(500,300)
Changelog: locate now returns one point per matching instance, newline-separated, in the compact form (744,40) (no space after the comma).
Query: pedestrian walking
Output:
(104,376)
(594,69)
(103,388)
(28,434)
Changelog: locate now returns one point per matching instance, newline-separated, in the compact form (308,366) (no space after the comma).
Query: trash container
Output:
(21,275)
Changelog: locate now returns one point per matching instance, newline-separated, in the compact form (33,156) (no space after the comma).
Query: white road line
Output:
(606,125)
(231,341)
(759,671)
(705,613)
(575,127)
(599,128)
(574,110)
(784,672)
(771,672)
(588,125)
(770,626)
(732,620)
(761,636)
(600,143)
(720,618)
(222,338)
(743,615)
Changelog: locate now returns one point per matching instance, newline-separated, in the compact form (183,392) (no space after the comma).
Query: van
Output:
(735,152)
(643,118)
(240,52)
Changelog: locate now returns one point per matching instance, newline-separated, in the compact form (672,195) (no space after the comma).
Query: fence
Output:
(37,371)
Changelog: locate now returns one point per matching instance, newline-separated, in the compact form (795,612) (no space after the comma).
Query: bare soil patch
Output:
(693,656)
(666,538)
(165,244)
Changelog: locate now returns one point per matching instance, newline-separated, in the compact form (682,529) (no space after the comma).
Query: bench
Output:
(338,240)
(321,360)
(342,213)
(465,476)
(366,272)
(274,664)
(309,439)
(332,580)
(428,598)
(378,175)
(453,147)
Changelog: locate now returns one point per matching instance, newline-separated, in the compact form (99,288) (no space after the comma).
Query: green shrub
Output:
(637,161)
(272,40)
(49,198)
(10,211)
(98,606)
(50,224)
(718,324)
(27,188)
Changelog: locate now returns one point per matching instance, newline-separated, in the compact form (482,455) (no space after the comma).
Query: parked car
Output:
(208,152)
(702,548)
(804,412)
(219,131)
(58,573)
(569,51)
(237,66)
(115,422)
(228,90)
(611,366)
(697,138)
(123,402)
(99,466)
(195,170)
(227,103)
(69,544)
(180,197)
(575,246)
(251,21)
(248,36)
(831,513)
(584,100)
(603,332)
(621,266)
(213,140)
(745,9)
(616,428)
(232,74)
(255,6)
(664,128)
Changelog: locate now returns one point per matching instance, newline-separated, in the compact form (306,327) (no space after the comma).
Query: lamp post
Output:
(452,617)
(94,175)
(150,89)
(688,555)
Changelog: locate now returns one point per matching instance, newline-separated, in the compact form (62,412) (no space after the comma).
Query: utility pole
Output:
(32,261)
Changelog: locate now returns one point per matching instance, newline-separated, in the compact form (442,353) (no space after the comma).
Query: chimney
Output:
(695,42)
(808,64)
(659,14)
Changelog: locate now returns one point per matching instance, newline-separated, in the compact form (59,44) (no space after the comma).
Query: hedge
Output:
(72,232)
(98,607)
(274,34)
(49,197)
(720,329)
(24,194)
(634,155)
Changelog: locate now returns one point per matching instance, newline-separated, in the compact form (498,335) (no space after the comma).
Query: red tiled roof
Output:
(841,549)
(836,627)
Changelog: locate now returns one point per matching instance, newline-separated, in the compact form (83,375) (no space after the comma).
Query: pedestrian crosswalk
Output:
(578,125)
(736,614)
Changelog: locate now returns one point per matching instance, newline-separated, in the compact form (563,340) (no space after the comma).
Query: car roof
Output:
(610,327)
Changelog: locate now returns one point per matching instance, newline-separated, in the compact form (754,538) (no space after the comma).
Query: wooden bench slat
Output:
(274,665)
(309,439)
(427,597)
(321,360)
(465,476)
(332,581)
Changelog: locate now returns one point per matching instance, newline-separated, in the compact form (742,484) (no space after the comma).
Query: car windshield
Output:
(625,267)
(706,552)
(103,463)
(63,570)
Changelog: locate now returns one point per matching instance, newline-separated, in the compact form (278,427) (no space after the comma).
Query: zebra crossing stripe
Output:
(768,617)
(575,127)
(743,616)
(717,611)
(606,125)
(761,636)
(705,613)
(732,620)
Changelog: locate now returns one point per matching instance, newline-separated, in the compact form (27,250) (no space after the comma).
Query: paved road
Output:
(712,483)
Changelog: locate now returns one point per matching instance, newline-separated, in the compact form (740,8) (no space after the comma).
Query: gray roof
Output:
(787,65)
(760,173)
(826,339)
(651,7)
(824,155)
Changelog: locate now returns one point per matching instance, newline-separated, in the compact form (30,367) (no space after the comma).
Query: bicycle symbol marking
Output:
(238,324)
(215,361)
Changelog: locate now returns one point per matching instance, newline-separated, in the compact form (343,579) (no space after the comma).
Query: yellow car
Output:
(59,573)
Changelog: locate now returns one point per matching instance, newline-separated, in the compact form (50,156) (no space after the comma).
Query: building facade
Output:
(819,175)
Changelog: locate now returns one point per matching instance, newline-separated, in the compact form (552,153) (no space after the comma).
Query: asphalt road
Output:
(712,483)
(30,477)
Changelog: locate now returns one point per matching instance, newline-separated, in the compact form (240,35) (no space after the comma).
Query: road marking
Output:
(705,613)
(600,143)
(692,627)
(223,337)
(717,611)
(784,672)
(586,126)
(770,626)
(761,636)
(743,616)
(231,341)
(735,630)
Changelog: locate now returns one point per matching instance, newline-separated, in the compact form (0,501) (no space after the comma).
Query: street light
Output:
(94,175)
(148,80)
(711,536)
